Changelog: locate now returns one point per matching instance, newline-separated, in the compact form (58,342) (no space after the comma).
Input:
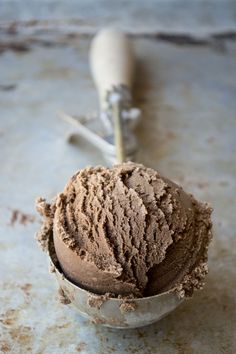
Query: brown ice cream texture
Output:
(126,230)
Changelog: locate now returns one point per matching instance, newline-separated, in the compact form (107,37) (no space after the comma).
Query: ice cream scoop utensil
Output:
(103,142)
(89,135)
(112,66)
(118,131)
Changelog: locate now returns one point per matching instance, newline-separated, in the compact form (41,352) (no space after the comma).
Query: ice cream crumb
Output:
(63,297)
(97,301)
(127,306)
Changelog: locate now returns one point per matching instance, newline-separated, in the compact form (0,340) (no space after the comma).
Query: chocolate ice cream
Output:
(127,230)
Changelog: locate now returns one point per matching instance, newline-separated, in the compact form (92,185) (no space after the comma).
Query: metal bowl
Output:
(112,312)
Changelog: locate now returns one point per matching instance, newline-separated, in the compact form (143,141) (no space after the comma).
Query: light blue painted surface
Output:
(188,131)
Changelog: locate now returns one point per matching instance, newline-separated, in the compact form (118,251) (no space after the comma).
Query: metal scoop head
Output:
(115,312)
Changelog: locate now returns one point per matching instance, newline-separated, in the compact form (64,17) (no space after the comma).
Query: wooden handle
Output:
(111,60)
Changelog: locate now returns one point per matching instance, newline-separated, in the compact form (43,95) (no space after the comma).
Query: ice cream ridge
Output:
(128,231)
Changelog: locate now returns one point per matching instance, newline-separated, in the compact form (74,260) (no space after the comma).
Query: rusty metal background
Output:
(188,132)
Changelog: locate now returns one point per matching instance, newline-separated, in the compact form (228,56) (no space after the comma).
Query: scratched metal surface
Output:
(188,132)
(152,16)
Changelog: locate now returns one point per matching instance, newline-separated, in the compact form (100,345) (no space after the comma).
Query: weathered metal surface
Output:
(87,16)
(188,132)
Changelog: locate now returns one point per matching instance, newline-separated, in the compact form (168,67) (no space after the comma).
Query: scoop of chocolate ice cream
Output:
(128,230)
